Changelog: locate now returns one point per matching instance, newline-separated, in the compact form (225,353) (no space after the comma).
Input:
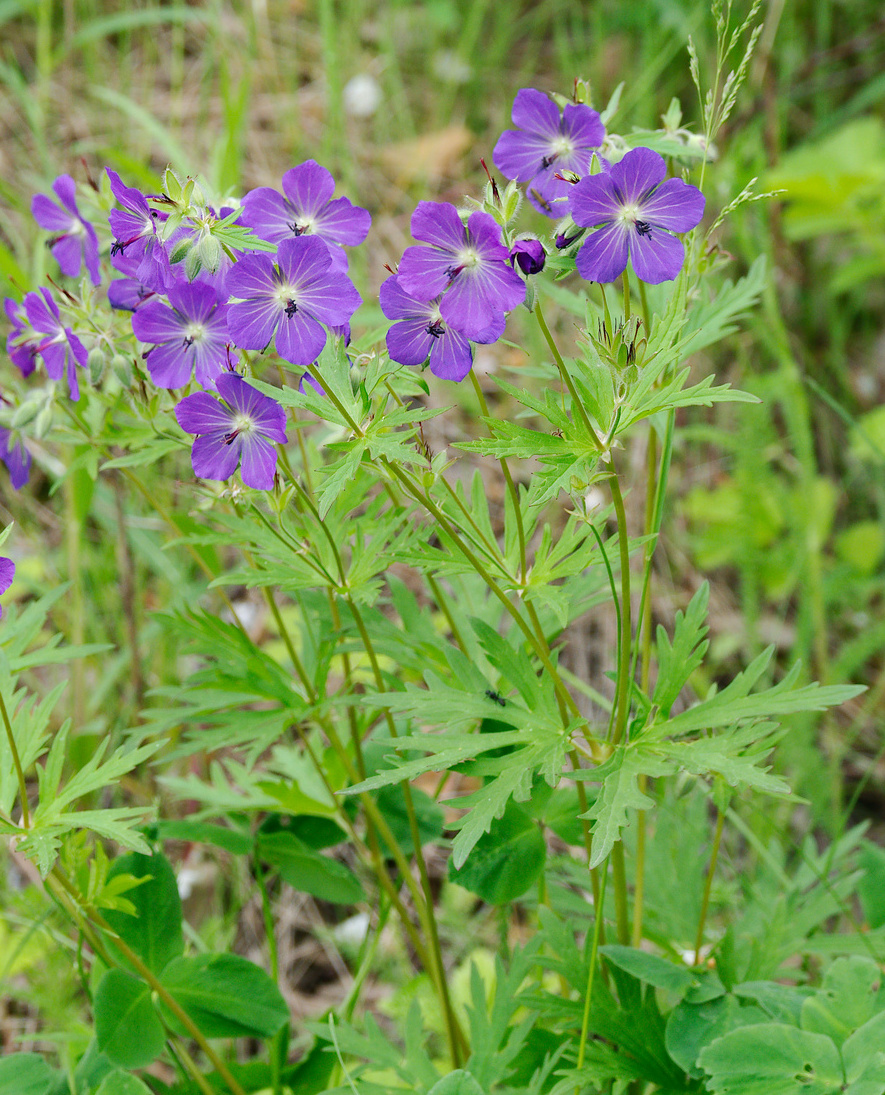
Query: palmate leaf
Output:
(679,659)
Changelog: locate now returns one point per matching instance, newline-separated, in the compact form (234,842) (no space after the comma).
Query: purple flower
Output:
(128,292)
(60,348)
(136,236)
(422,333)
(74,241)
(469,266)
(634,211)
(291,299)
(16,458)
(189,338)
(235,431)
(7,573)
(529,255)
(22,344)
(546,144)
(307,209)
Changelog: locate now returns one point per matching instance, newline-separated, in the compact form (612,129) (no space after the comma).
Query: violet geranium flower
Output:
(16,458)
(308,208)
(290,299)
(191,337)
(634,211)
(238,430)
(469,266)
(136,236)
(545,144)
(7,573)
(529,255)
(422,333)
(74,242)
(60,348)
(22,344)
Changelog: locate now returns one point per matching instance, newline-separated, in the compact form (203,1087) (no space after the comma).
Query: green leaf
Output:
(457,1083)
(122,1083)
(690,1027)
(225,995)
(772,1059)
(679,659)
(505,862)
(871,888)
(154,933)
(429,815)
(851,994)
(25,1074)
(127,1027)
(204,832)
(309,872)
(620,793)
(651,969)
(863,1055)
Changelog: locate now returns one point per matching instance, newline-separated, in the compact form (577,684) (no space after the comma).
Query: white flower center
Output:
(629,214)
(562,146)
(194,332)
(242,423)
(468,257)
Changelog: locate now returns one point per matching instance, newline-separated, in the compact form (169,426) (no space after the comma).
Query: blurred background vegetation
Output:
(782,504)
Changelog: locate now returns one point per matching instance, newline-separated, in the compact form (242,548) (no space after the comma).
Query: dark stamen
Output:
(188,342)
(229,438)
(435,329)
(453,271)
(291,308)
(298,229)
(643,228)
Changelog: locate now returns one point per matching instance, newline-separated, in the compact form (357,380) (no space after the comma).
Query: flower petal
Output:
(258,462)
(675,205)
(200,413)
(594,200)
(267,214)
(423,271)
(251,323)
(48,215)
(170,364)
(603,257)
(451,356)
(213,458)
(396,303)
(637,174)
(438,223)
(343,222)
(520,156)
(410,343)
(300,338)
(656,256)
(308,187)
(536,112)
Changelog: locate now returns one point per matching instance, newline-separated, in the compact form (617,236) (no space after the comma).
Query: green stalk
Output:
(73,542)
(16,760)
(626,628)
(708,884)
(148,976)
(577,405)
(591,973)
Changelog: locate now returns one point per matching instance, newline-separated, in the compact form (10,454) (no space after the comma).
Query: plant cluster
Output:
(416,635)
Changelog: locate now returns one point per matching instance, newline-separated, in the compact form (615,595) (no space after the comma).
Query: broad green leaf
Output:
(457,1083)
(127,1027)
(122,1083)
(25,1074)
(850,995)
(690,1027)
(226,996)
(504,862)
(772,1059)
(154,933)
(863,1055)
(308,871)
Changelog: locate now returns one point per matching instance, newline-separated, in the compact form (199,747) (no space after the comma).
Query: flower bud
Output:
(95,363)
(180,250)
(193,264)
(210,253)
(528,253)
(26,412)
(122,369)
(43,422)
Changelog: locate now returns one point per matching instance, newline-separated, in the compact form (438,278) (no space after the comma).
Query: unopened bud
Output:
(122,369)
(26,412)
(193,264)
(180,250)
(210,253)
(171,185)
(95,364)
(43,422)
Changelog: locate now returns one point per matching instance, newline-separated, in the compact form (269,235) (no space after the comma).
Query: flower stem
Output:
(16,760)
(577,405)
(708,885)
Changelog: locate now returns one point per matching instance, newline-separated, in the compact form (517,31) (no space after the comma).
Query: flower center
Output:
(194,332)
(241,424)
(287,298)
(562,146)
(300,226)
